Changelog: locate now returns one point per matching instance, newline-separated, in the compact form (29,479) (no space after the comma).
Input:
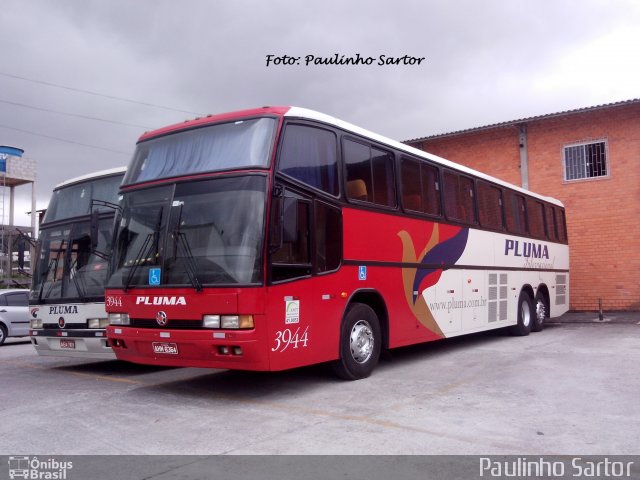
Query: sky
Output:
(81,80)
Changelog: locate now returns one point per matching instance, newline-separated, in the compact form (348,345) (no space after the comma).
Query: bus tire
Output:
(541,312)
(360,343)
(3,333)
(526,314)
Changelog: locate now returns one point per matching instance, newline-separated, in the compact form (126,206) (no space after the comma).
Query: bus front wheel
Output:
(360,343)
(526,314)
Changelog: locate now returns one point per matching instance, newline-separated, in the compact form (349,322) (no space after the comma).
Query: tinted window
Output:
(552,227)
(490,206)
(292,257)
(328,235)
(384,191)
(357,160)
(536,218)
(225,146)
(17,299)
(370,176)
(309,155)
(562,227)
(458,193)
(516,213)
(420,187)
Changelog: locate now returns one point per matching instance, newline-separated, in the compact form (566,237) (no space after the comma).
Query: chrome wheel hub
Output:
(361,341)
(540,312)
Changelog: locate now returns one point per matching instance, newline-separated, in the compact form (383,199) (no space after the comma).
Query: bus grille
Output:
(172,324)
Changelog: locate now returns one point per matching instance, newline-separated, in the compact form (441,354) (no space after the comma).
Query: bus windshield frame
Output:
(208,232)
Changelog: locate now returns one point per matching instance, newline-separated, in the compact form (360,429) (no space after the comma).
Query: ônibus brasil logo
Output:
(35,469)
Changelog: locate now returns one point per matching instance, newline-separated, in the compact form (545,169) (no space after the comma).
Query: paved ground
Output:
(571,389)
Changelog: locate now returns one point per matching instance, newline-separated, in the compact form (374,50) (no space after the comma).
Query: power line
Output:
(65,140)
(74,114)
(97,94)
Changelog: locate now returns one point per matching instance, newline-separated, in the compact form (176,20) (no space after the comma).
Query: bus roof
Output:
(304,113)
(89,176)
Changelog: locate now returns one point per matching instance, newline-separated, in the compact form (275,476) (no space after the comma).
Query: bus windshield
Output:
(68,267)
(208,232)
(225,146)
(75,200)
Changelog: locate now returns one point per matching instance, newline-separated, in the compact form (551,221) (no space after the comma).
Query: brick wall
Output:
(603,214)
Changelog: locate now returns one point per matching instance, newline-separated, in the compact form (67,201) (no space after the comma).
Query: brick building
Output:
(589,159)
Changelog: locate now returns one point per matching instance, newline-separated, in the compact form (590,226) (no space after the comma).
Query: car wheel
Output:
(3,334)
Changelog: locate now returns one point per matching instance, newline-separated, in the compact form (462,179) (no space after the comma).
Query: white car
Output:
(14,313)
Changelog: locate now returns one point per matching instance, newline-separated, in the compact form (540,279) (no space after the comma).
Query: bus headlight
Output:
(119,319)
(36,323)
(234,322)
(97,322)
(211,321)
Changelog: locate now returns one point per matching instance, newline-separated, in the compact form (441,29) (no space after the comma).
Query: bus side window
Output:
(516,213)
(490,206)
(552,227)
(420,187)
(328,237)
(535,216)
(459,197)
(357,161)
(370,175)
(562,226)
(291,256)
(309,154)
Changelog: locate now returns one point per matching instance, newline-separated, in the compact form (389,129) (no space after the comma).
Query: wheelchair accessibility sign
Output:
(362,272)
(154,276)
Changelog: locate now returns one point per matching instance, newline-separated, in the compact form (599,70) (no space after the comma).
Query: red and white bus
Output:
(279,237)
(66,302)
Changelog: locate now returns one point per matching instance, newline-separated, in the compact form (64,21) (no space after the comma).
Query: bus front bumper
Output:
(239,350)
(72,343)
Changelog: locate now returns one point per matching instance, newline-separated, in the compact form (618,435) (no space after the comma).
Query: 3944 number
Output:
(113,301)
(289,338)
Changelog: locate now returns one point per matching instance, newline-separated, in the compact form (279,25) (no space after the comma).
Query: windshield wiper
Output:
(45,275)
(80,285)
(152,239)
(180,239)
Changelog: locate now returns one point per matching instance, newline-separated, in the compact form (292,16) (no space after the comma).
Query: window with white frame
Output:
(585,160)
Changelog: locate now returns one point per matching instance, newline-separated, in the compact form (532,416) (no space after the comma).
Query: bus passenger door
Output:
(290,295)
(304,304)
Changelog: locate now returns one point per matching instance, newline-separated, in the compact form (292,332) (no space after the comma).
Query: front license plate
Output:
(170,348)
(69,344)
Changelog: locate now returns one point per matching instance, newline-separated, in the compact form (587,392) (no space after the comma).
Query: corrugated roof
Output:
(523,120)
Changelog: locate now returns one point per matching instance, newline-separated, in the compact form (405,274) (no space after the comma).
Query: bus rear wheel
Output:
(360,343)
(542,312)
(526,314)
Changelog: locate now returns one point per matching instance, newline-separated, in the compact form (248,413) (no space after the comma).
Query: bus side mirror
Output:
(94,232)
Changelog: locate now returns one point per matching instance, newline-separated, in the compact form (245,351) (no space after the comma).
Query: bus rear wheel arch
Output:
(360,342)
